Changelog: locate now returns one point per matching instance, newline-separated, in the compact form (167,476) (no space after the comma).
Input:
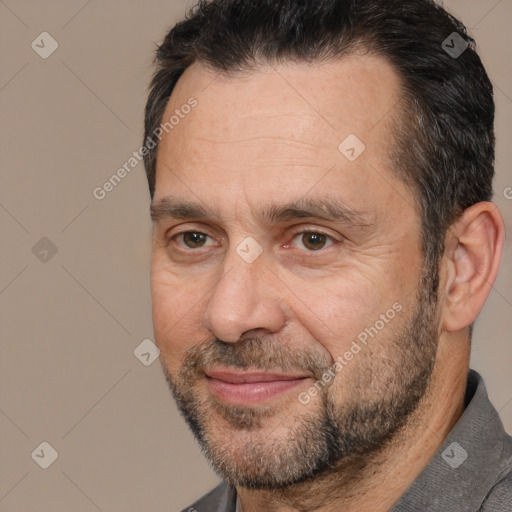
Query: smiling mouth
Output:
(246,387)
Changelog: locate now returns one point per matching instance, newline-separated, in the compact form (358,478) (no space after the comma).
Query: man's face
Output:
(256,299)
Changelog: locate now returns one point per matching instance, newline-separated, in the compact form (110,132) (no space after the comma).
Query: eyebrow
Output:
(325,208)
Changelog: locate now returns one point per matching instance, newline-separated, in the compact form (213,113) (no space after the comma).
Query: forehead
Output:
(280,126)
(352,93)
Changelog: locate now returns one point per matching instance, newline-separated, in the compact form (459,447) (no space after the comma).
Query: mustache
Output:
(260,353)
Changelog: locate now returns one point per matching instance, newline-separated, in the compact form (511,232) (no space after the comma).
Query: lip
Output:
(243,387)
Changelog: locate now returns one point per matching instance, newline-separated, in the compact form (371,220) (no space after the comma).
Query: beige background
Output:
(70,325)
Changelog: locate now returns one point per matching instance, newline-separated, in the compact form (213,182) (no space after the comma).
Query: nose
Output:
(244,301)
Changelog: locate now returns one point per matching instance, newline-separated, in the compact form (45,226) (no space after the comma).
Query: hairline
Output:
(402,115)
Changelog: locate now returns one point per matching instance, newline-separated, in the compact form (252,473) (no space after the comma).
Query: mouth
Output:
(250,387)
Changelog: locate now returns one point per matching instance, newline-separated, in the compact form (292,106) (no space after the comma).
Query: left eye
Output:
(313,240)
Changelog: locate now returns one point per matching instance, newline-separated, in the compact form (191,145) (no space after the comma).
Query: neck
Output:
(377,483)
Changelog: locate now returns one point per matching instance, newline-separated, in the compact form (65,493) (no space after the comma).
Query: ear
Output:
(474,245)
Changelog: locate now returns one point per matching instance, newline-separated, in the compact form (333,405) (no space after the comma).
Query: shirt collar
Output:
(238,504)
(466,466)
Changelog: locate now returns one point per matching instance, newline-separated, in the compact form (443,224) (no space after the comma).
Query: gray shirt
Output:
(471,472)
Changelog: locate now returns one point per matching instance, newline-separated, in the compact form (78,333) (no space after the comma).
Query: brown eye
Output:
(194,239)
(314,241)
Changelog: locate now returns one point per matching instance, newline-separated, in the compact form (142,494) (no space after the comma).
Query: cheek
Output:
(176,310)
(339,307)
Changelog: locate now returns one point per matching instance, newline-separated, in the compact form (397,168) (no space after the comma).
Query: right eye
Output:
(192,239)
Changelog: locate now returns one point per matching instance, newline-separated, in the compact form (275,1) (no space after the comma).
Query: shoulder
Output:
(220,499)
(499,497)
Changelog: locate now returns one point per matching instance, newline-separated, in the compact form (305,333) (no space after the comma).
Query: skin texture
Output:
(268,137)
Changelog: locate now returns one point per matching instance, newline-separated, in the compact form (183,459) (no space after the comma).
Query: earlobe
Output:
(472,259)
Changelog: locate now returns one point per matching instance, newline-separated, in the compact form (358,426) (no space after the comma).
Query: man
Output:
(320,174)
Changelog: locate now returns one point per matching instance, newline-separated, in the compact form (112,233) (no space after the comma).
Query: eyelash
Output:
(309,231)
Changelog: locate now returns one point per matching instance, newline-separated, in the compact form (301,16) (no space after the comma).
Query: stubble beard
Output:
(275,447)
